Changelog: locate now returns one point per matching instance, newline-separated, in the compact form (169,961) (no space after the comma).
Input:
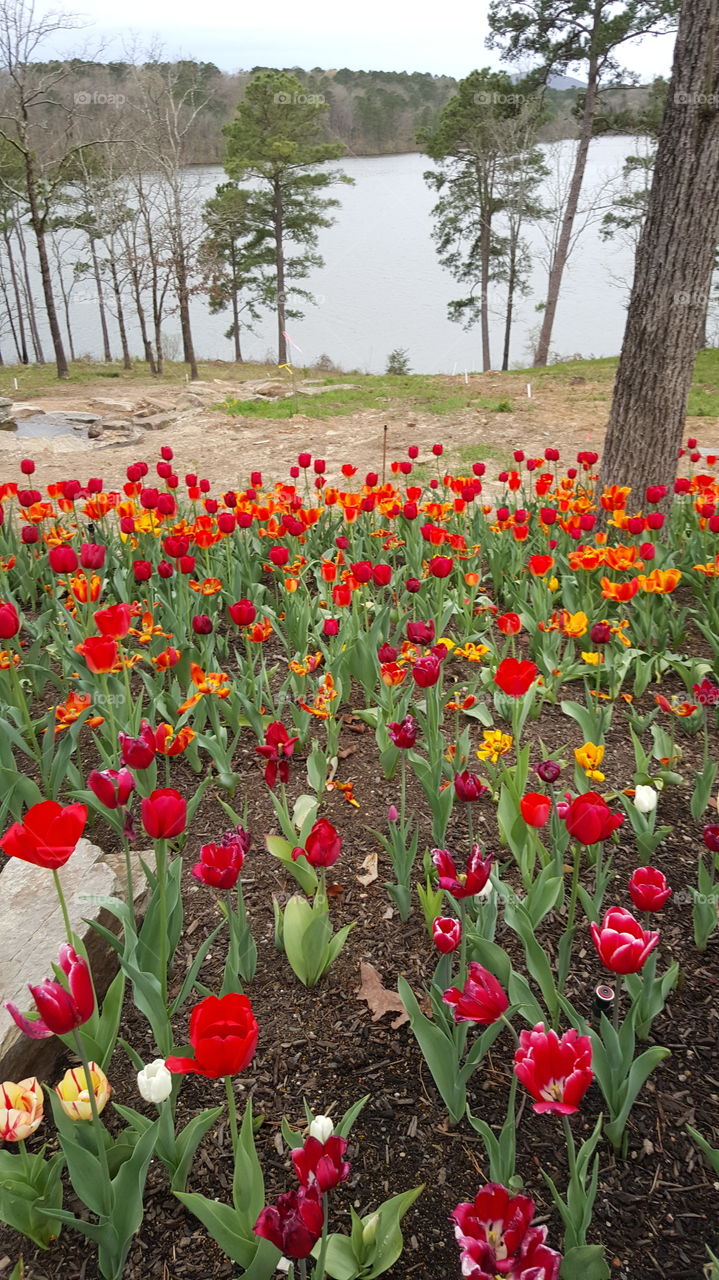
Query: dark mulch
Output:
(655,1209)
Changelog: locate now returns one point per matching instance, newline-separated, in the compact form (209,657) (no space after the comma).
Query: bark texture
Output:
(674,260)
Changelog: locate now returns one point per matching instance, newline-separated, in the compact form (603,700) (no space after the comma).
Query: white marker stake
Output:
(529,391)
(14,383)
(466,379)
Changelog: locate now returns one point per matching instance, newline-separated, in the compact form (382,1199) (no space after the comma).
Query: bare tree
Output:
(45,161)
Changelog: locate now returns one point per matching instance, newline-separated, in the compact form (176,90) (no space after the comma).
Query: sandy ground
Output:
(564,413)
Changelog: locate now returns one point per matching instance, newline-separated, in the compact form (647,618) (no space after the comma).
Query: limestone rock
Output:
(32,932)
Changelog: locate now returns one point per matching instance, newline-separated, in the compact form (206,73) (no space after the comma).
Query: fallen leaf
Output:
(334,890)
(379,999)
(344,752)
(370,866)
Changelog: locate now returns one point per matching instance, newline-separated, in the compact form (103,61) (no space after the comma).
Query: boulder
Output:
(154,421)
(32,932)
(21,411)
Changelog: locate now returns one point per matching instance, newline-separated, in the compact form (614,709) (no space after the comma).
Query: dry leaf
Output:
(345,752)
(379,999)
(370,866)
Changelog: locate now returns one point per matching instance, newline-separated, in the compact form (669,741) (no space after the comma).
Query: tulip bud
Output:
(645,799)
(154,1082)
(322,1129)
(369,1230)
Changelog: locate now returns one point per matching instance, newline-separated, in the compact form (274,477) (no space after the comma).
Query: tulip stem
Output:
(303,1268)
(63,907)
(161,881)
(571,1149)
(615,1011)
(232,1114)
(319,1271)
(503,1018)
(97,1125)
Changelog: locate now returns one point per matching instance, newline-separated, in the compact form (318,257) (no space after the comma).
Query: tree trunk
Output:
(559,261)
(137,296)
(280,276)
(29,302)
(100,302)
(22,347)
(235,309)
(126,358)
(511,285)
(37,223)
(66,308)
(674,259)
(8,311)
(485,234)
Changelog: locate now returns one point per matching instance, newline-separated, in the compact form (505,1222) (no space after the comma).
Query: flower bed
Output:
(430,786)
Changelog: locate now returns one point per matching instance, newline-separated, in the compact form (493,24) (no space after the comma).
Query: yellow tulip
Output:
(74,1095)
(21,1109)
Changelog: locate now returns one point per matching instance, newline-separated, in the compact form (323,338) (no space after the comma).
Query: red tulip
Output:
(362,571)
(142,569)
(138,753)
(589,818)
(279,556)
(426,671)
(403,733)
(27,466)
(243,613)
(482,1000)
(440,566)
(382,575)
(223,1034)
(47,836)
(622,945)
(514,677)
(601,633)
(62,559)
(277,750)
(220,864)
(60,1010)
(294,1222)
(201,624)
(420,632)
(164,813)
(9,621)
(92,555)
(648,889)
(462,884)
(322,846)
(100,653)
(557,1073)
(112,787)
(468,787)
(320,1164)
(496,1237)
(535,808)
(114,622)
(446,934)
(548,770)
(510,624)
(330,627)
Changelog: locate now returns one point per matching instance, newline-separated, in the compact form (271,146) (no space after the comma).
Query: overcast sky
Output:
(373,36)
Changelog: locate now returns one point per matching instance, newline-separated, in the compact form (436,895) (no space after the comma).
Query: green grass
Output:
(427,394)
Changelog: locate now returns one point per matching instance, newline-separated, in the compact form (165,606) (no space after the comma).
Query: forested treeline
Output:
(370,112)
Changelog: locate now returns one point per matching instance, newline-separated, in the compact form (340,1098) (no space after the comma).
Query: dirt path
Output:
(565,413)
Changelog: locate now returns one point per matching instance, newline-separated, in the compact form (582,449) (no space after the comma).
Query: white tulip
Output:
(155,1081)
(321,1128)
(645,799)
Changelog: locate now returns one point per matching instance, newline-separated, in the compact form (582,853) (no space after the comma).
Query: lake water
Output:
(382,286)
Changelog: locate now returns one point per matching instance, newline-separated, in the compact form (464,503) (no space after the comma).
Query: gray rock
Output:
(154,421)
(32,932)
(7,424)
